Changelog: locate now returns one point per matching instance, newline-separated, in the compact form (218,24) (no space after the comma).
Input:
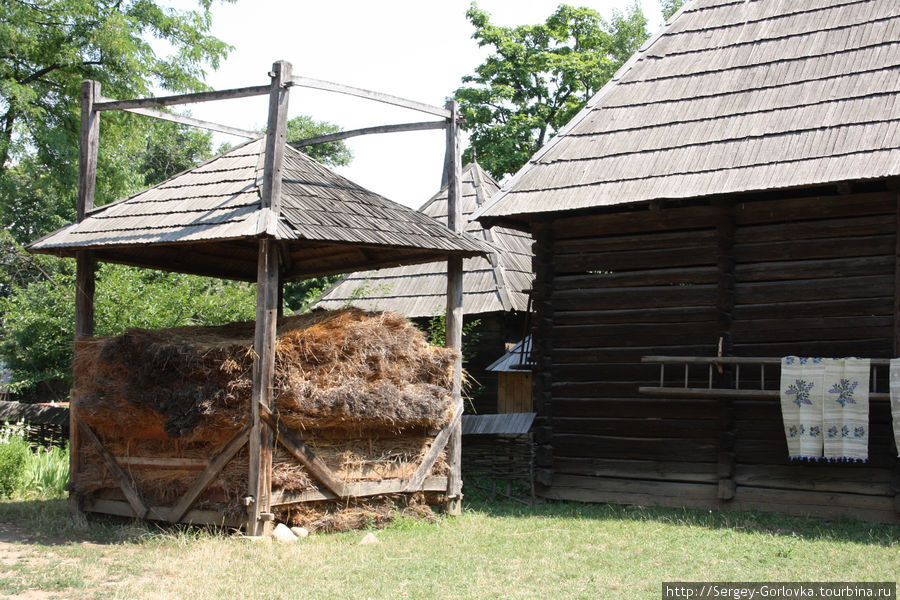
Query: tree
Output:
(538,77)
(670,7)
(332,154)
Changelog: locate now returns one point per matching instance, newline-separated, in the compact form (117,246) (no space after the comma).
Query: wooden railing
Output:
(753,386)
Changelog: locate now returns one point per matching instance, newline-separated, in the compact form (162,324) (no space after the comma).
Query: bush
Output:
(46,473)
(14,452)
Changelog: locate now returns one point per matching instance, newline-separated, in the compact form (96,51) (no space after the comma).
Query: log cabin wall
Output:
(805,275)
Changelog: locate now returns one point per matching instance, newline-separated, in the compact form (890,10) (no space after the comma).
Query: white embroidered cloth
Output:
(845,416)
(895,400)
(802,384)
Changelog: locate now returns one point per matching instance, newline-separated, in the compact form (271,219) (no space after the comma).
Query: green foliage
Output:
(538,77)
(46,473)
(670,7)
(333,154)
(436,330)
(14,452)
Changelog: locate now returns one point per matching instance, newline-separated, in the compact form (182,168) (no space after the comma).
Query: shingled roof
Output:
(206,220)
(489,284)
(731,96)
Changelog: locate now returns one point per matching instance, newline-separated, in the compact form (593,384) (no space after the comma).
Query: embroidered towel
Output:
(802,381)
(846,409)
(895,400)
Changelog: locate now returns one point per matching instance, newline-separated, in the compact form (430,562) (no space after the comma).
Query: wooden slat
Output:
(244,92)
(146,462)
(343,135)
(437,446)
(307,457)
(376,96)
(161,513)
(216,463)
(185,120)
(134,498)
(358,490)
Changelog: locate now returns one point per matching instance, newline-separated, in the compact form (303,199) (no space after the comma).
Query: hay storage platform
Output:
(363,409)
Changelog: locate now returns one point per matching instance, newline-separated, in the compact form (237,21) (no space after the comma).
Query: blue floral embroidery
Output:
(844,389)
(845,431)
(814,431)
(789,360)
(833,431)
(859,432)
(801,390)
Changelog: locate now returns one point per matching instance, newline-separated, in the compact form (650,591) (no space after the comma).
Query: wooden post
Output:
(267,285)
(85,264)
(725,262)
(542,350)
(454,319)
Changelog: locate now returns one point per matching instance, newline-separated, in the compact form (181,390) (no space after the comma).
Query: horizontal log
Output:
(874,348)
(675,276)
(184,120)
(161,513)
(343,135)
(329,86)
(813,269)
(880,306)
(357,490)
(634,297)
(605,371)
(244,92)
(726,393)
(634,259)
(694,218)
(633,354)
(851,478)
(635,408)
(814,207)
(586,446)
(836,247)
(796,231)
(630,491)
(138,462)
(632,334)
(872,286)
(641,427)
(816,504)
(637,469)
(812,329)
(774,452)
(645,314)
(647,241)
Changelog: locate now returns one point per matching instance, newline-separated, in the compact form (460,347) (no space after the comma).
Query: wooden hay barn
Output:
(495,287)
(733,193)
(262,212)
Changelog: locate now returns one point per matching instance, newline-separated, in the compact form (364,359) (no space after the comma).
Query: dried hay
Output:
(348,382)
(357,513)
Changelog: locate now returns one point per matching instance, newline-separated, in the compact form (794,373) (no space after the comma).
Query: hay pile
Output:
(349,382)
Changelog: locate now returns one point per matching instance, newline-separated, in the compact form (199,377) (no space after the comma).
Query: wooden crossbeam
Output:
(370,95)
(357,490)
(440,442)
(216,463)
(244,92)
(184,120)
(342,135)
(131,494)
(307,457)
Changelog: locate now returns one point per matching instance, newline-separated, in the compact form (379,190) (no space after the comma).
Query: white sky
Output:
(415,49)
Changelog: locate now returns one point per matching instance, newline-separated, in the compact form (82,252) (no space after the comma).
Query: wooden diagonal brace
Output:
(216,463)
(315,465)
(134,499)
(440,442)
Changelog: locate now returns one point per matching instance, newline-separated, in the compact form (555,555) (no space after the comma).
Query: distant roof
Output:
(501,424)
(207,219)
(516,360)
(730,96)
(489,284)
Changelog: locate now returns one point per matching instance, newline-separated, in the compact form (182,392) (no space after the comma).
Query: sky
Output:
(415,49)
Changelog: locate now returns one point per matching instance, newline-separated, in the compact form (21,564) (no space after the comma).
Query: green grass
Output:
(492,551)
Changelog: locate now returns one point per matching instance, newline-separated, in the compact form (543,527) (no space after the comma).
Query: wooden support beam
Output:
(343,135)
(275,136)
(370,95)
(897,279)
(437,446)
(358,490)
(216,463)
(134,499)
(184,120)
(244,92)
(454,319)
(307,457)
(85,263)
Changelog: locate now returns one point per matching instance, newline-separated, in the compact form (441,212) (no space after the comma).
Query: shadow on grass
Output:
(47,523)
(774,524)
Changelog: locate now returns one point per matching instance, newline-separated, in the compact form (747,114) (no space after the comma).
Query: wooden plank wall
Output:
(807,276)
